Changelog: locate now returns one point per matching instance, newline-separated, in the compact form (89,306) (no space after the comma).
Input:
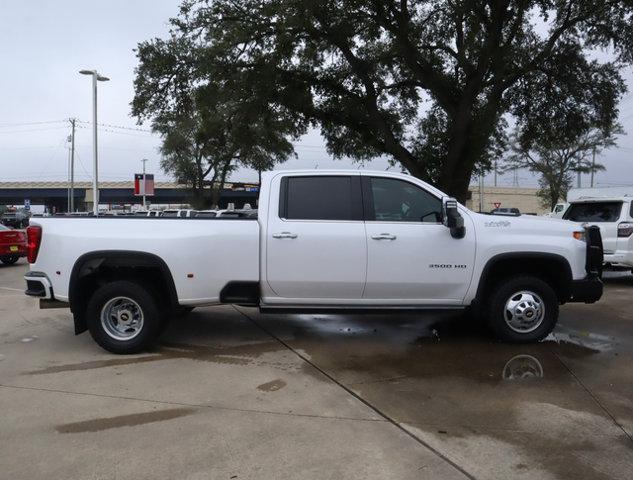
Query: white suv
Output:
(614,216)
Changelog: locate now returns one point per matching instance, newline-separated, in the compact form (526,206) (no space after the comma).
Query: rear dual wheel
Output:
(124,317)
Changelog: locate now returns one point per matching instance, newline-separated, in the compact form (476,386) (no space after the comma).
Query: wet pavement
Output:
(231,393)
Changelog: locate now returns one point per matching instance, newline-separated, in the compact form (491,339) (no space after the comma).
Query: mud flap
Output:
(80,323)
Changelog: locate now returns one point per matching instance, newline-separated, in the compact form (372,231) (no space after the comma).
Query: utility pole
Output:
(95,179)
(481,192)
(72,166)
(68,179)
(579,180)
(144,161)
(495,172)
(593,165)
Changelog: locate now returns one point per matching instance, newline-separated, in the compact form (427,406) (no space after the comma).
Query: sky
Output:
(43,45)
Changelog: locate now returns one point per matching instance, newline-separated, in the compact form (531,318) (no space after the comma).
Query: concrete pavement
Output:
(234,394)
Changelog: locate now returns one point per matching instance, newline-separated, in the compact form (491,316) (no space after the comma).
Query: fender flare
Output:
(510,256)
(128,258)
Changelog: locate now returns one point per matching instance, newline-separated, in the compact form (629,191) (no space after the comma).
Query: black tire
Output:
(9,259)
(146,302)
(508,290)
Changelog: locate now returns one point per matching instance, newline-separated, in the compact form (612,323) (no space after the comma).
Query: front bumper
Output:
(587,290)
(38,285)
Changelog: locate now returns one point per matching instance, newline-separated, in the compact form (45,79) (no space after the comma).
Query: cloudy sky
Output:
(43,44)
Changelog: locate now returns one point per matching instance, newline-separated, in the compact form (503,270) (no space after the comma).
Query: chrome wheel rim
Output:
(122,318)
(524,311)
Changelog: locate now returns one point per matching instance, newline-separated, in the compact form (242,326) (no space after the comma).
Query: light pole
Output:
(144,184)
(95,180)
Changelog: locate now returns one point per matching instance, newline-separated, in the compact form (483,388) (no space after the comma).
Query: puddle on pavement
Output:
(99,424)
(272,386)
(30,339)
(232,355)
(430,345)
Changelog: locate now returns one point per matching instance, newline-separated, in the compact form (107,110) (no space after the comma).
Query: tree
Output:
(575,116)
(208,129)
(428,83)
(556,165)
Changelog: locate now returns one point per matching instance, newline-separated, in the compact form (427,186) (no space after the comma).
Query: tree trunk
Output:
(215,199)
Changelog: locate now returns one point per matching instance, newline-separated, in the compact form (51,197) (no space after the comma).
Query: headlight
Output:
(580,236)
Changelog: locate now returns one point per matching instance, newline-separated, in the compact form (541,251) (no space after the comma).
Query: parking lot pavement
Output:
(231,393)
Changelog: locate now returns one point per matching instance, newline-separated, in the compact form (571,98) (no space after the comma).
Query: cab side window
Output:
(400,201)
(320,198)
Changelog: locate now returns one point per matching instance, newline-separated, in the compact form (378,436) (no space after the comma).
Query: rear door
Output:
(604,213)
(315,244)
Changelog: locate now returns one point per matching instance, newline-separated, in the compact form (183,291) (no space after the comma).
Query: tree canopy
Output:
(208,130)
(430,84)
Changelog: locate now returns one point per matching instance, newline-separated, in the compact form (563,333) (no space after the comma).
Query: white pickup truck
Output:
(333,241)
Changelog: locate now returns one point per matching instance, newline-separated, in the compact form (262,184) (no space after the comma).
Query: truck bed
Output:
(201,254)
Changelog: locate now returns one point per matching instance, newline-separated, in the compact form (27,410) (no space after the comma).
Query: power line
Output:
(24,124)
(33,130)
(121,127)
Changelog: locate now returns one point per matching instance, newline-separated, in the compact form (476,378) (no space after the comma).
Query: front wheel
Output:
(9,259)
(522,309)
(124,317)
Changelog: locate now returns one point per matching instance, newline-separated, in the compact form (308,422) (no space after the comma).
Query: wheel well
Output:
(98,268)
(551,268)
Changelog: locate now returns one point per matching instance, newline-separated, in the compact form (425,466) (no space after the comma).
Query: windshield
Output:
(594,212)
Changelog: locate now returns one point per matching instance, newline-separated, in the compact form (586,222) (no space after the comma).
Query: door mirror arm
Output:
(452,219)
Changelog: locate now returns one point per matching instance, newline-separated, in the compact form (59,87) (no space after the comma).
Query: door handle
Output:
(384,236)
(284,235)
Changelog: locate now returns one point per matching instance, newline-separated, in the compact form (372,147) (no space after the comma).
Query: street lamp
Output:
(95,181)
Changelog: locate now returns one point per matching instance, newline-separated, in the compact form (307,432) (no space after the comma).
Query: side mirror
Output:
(452,218)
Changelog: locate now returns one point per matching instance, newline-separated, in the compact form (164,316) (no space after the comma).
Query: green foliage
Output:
(575,113)
(209,128)
(427,83)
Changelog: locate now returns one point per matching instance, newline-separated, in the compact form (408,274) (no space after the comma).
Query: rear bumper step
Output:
(38,285)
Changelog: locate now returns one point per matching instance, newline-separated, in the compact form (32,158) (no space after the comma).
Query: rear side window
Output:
(399,201)
(321,198)
(594,212)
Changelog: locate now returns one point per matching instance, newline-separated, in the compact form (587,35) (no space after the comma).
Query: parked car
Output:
(512,212)
(237,213)
(180,213)
(614,217)
(12,245)
(147,213)
(320,241)
(559,210)
(15,218)
(205,214)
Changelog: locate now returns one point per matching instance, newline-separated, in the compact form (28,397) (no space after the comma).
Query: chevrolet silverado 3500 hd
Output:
(327,240)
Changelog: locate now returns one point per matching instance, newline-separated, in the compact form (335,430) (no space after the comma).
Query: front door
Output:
(315,239)
(412,258)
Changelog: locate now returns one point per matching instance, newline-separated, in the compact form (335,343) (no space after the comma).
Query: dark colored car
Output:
(12,245)
(510,212)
